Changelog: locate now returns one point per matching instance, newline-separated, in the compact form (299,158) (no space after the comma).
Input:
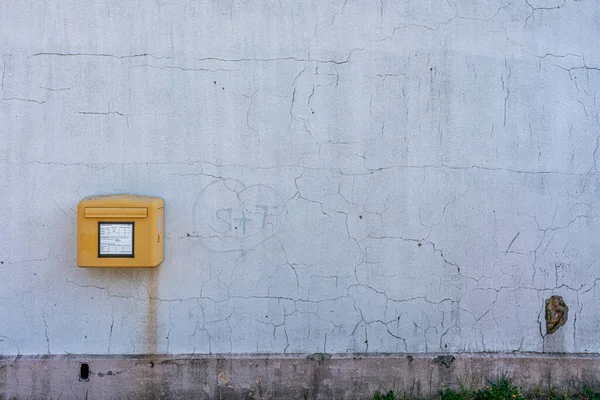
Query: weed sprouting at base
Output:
(501,388)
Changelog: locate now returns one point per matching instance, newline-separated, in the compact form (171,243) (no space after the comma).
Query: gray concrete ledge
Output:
(271,376)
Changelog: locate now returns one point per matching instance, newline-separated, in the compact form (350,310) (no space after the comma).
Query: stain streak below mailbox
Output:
(120,231)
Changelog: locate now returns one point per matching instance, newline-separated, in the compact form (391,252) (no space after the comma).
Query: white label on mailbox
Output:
(116,239)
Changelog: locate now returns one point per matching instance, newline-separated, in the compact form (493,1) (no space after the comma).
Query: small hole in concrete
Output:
(84,372)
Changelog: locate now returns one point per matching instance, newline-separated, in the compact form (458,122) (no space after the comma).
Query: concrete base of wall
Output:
(318,376)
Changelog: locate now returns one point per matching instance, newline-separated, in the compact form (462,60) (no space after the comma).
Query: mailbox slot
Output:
(116,212)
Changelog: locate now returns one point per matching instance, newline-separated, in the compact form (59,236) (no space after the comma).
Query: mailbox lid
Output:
(121,201)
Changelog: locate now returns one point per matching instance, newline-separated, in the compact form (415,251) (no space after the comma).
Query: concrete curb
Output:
(275,376)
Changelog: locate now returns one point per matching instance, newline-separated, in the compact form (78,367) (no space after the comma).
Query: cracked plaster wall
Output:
(339,176)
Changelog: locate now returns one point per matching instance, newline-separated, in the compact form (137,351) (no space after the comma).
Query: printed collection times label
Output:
(116,239)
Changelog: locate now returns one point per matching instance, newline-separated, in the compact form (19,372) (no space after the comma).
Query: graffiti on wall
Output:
(230,216)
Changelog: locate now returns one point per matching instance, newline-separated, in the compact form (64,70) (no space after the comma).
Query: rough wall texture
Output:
(339,176)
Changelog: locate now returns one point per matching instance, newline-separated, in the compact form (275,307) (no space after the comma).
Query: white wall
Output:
(415,175)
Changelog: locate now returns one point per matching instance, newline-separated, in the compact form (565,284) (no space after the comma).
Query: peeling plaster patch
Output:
(557,313)
(222,379)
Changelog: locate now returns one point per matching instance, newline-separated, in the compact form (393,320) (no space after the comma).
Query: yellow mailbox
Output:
(120,230)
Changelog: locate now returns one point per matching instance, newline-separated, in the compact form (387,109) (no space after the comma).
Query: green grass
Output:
(589,394)
(501,388)
(388,396)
